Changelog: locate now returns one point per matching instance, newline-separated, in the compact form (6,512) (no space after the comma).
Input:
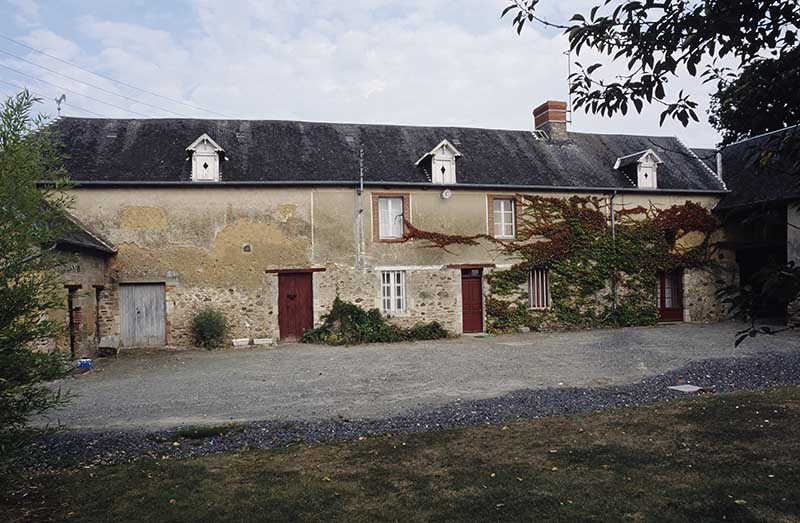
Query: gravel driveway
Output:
(305,382)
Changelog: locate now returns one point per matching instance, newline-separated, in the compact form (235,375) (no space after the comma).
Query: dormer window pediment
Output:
(205,155)
(442,163)
(641,167)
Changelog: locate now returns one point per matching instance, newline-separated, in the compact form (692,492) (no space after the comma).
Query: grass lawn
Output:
(730,457)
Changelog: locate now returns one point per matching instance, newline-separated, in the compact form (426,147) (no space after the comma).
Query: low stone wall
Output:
(250,312)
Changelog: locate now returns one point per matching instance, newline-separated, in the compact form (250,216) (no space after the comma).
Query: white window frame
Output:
(389,227)
(499,217)
(539,289)
(393,291)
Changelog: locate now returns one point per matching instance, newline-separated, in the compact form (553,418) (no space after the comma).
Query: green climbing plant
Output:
(599,275)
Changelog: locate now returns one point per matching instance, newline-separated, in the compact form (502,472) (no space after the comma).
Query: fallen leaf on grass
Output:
(740,502)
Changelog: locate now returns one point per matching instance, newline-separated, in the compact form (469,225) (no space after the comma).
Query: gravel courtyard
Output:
(166,389)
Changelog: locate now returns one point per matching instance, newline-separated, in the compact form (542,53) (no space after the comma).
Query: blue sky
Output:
(417,62)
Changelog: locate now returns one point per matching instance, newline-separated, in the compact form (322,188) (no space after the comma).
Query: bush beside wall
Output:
(349,324)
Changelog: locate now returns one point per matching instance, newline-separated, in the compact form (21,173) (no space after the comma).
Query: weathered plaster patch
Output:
(143,218)
(285,211)
(225,264)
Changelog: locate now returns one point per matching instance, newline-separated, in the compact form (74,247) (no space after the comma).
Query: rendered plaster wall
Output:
(212,245)
(209,247)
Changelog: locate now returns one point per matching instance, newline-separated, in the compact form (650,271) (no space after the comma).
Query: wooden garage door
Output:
(142,313)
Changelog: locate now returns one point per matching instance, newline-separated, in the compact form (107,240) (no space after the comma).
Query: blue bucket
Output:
(85,363)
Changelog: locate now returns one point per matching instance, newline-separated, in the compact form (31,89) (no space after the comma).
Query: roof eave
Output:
(389,183)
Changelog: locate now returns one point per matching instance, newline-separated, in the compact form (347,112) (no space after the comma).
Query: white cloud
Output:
(26,12)
(387,61)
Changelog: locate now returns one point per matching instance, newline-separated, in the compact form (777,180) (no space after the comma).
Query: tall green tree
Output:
(31,221)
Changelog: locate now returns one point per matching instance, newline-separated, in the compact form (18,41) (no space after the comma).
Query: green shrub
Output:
(349,324)
(427,331)
(209,328)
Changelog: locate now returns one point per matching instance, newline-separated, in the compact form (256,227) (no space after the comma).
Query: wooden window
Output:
(389,212)
(502,216)
(503,209)
(539,289)
(393,291)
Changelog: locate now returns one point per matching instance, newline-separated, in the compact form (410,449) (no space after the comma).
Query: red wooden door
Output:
(670,296)
(472,300)
(295,308)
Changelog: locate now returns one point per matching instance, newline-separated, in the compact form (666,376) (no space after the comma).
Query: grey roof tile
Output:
(130,150)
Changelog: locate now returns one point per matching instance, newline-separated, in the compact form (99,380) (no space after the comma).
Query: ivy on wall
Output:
(599,275)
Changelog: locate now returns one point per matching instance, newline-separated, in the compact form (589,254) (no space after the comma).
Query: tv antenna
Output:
(59,100)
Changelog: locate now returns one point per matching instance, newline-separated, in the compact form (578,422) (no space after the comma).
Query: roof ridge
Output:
(704,164)
(761,135)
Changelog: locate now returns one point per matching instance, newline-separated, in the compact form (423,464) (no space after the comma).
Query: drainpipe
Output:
(359,232)
(614,247)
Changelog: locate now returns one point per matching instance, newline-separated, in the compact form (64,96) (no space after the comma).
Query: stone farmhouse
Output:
(270,220)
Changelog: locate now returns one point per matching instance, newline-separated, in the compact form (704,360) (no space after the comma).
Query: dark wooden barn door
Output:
(472,300)
(143,314)
(670,295)
(295,305)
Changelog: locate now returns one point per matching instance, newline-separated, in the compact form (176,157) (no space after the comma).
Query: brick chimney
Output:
(551,117)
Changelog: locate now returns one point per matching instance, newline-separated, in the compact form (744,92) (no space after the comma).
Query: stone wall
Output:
(432,293)
(250,312)
(83,276)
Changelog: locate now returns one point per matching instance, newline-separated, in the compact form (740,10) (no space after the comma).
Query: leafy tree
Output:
(31,221)
(658,40)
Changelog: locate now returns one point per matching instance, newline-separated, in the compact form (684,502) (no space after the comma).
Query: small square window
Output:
(504,222)
(539,289)
(393,291)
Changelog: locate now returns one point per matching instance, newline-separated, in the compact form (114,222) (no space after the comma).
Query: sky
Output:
(410,62)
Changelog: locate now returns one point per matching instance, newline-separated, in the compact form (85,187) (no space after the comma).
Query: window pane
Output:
(383,217)
(504,217)
(390,216)
(393,291)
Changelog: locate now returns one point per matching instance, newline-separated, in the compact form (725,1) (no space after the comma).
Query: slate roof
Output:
(707,156)
(79,236)
(750,185)
(153,150)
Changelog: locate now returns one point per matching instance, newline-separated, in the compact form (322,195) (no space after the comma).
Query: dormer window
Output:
(441,161)
(205,155)
(641,167)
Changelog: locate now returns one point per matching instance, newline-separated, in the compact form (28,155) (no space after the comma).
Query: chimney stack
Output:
(551,117)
